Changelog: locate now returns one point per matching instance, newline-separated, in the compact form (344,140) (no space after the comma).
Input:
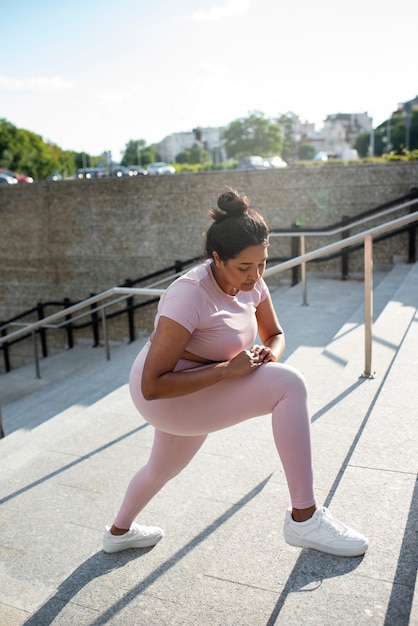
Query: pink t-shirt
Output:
(221,325)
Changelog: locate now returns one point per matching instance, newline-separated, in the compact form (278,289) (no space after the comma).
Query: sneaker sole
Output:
(110,548)
(335,551)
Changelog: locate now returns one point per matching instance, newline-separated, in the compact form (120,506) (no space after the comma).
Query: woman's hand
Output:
(263,354)
(243,363)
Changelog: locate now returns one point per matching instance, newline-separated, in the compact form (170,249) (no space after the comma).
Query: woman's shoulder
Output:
(190,283)
(193,278)
(198,273)
(184,300)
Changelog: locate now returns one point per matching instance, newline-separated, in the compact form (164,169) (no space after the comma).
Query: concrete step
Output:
(62,477)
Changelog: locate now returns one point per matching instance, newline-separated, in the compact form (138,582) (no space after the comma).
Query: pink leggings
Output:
(182,425)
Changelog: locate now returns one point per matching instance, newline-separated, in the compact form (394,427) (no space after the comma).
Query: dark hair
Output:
(236,226)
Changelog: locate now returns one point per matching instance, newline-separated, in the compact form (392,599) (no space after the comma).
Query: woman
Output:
(198,374)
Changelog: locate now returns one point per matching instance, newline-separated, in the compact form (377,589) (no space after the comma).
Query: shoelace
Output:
(140,531)
(333,525)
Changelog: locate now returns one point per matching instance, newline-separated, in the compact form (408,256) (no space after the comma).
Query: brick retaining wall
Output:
(74,238)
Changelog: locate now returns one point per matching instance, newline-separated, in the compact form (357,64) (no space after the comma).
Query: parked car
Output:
(160,168)
(119,171)
(19,178)
(7,180)
(89,173)
(252,163)
(322,155)
(275,162)
(56,176)
(136,170)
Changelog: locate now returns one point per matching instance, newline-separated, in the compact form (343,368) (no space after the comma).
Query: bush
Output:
(413,155)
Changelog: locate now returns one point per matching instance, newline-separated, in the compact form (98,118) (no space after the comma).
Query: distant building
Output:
(407,107)
(173,144)
(338,137)
(340,131)
(208,138)
(302,132)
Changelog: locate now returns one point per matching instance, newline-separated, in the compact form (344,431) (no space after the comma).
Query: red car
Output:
(20,178)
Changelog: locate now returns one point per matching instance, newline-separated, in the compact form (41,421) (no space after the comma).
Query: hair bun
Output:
(233,203)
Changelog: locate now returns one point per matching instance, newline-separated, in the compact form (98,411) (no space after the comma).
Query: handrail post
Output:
(345,253)
(130,312)
(1,426)
(69,327)
(94,324)
(412,240)
(295,251)
(105,335)
(368,306)
(303,272)
(5,348)
(42,330)
(36,356)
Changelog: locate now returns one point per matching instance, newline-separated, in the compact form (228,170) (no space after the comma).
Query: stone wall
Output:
(74,238)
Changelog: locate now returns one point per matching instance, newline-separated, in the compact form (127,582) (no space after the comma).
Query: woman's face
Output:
(241,272)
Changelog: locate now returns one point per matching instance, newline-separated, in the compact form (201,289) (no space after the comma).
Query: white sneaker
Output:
(136,537)
(325,533)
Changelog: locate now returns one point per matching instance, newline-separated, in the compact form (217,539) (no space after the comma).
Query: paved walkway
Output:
(73,440)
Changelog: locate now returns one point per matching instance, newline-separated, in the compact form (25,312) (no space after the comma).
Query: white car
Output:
(276,162)
(160,168)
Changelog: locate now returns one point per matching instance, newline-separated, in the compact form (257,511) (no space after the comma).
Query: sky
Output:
(92,75)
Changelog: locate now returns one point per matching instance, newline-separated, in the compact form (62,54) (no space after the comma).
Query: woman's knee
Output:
(291,382)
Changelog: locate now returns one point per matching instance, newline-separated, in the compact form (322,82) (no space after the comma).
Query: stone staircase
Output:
(73,440)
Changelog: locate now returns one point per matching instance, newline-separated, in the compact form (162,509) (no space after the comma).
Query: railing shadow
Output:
(64,468)
(101,564)
(398,611)
(308,574)
(293,583)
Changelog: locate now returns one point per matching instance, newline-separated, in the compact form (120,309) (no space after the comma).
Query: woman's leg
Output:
(274,388)
(169,455)
(182,425)
(292,436)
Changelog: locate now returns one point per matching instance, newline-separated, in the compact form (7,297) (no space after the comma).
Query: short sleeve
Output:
(181,303)
(264,290)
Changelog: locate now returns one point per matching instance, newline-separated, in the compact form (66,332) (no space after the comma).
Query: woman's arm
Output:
(168,345)
(270,332)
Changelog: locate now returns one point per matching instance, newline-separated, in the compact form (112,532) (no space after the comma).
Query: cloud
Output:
(211,77)
(40,83)
(216,13)
(113,97)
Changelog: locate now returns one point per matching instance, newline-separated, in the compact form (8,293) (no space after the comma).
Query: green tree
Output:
(9,144)
(396,135)
(137,152)
(134,152)
(193,156)
(403,132)
(289,147)
(255,134)
(183,157)
(362,144)
(198,155)
(26,152)
(149,155)
(306,152)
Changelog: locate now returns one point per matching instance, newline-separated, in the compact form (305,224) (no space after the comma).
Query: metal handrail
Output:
(54,317)
(303,259)
(366,237)
(322,232)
